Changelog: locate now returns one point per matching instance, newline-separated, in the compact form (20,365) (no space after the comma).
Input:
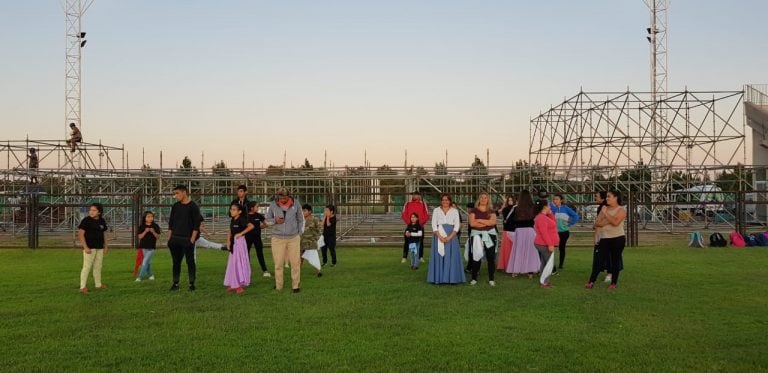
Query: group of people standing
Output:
(531,232)
(290,224)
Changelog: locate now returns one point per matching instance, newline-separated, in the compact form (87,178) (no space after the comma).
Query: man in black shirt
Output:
(183,229)
(242,198)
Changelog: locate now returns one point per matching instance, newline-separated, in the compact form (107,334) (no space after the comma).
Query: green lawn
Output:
(676,310)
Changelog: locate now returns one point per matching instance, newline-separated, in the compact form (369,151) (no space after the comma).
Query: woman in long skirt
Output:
(525,258)
(238,273)
(445,265)
(508,235)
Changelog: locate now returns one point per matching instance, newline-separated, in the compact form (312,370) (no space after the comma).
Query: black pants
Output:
(490,257)
(609,250)
(181,248)
(256,241)
(544,256)
(330,245)
(563,241)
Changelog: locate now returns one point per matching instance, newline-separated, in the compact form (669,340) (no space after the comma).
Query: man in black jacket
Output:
(242,198)
(183,230)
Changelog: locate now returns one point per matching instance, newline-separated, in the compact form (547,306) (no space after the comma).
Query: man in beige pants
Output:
(286,222)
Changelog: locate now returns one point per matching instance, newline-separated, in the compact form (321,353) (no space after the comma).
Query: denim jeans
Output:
(146,265)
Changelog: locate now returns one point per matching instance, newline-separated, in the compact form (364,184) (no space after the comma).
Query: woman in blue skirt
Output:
(445,265)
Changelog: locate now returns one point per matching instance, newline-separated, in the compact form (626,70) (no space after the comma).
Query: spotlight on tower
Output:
(82,43)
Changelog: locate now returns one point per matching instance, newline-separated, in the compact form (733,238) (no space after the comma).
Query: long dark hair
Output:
(144,217)
(524,209)
(617,194)
(238,208)
(418,222)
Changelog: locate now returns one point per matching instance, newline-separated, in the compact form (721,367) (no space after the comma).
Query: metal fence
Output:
(368,208)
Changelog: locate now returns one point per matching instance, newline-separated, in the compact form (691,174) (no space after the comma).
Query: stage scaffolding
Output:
(590,142)
(594,139)
(369,202)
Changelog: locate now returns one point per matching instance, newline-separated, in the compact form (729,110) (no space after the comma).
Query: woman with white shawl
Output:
(445,265)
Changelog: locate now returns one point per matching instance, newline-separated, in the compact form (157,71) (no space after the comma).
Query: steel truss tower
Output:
(74,10)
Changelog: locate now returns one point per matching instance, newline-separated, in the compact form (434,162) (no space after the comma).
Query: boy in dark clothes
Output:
(183,230)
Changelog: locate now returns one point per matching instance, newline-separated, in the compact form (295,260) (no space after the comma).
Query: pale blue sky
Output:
(347,76)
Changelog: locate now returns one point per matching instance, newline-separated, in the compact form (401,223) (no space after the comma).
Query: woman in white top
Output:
(445,265)
(610,221)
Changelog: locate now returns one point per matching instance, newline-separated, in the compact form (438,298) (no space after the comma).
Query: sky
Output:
(351,78)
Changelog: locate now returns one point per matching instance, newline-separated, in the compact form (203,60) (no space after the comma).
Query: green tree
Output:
(735,180)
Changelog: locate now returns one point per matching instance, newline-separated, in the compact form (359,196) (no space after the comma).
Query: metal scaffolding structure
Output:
(597,136)
(368,200)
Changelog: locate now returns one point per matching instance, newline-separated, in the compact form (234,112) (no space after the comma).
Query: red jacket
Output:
(546,230)
(420,208)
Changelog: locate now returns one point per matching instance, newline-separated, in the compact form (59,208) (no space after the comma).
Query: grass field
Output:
(676,310)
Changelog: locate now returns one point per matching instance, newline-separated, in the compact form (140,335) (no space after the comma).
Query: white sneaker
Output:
(492,283)
(402,260)
(473,282)
(151,278)
(266,274)
(421,260)
(287,266)
(138,279)
(608,278)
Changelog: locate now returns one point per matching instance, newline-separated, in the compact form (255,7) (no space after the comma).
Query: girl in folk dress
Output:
(238,265)
(525,258)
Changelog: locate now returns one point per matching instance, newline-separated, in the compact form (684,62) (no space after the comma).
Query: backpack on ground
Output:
(762,239)
(717,240)
(696,240)
(737,240)
(750,240)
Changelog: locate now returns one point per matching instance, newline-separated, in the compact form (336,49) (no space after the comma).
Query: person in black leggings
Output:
(253,237)
(482,219)
(610,221)
(329,234)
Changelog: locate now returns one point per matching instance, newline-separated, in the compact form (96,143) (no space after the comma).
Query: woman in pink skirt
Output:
(525,258)
(238,266)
